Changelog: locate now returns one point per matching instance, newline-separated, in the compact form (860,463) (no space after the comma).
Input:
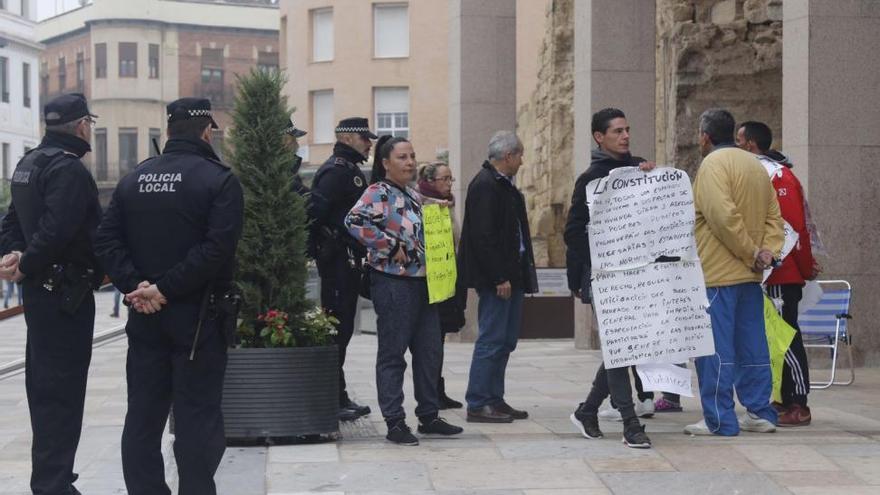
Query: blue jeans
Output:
(10,286)
(499,323)
(741,361)
(117,297)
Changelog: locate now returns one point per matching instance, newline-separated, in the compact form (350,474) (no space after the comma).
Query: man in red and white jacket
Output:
(787,280)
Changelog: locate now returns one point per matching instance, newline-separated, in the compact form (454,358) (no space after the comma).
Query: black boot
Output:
(446,402)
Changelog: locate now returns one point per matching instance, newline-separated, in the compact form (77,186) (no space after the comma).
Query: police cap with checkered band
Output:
(358,125)
(292,130)
(190,108)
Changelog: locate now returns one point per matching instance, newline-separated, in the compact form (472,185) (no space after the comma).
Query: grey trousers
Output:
(405,320)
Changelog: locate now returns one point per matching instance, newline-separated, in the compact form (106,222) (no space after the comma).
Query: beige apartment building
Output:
(131,58)
(385,60)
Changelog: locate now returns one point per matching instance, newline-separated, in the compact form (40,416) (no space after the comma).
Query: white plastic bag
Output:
(812,295)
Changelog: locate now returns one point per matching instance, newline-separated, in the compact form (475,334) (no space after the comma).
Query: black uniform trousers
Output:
(160,375)
(795,369)
(340,287)
(58,353)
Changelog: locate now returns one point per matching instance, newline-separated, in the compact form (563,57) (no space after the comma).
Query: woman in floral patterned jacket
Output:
(387,220)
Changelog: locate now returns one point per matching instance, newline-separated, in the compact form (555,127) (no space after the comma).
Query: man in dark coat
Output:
(611,134)
(495,258)
(168,242)
(47,241)
(337,186)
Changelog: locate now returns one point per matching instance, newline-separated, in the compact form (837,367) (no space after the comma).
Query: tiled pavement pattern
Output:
(838,454)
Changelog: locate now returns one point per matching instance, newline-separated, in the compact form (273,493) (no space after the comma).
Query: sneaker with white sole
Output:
(634,436)
(645,408)
(610,414)
(698,429)
(751,422)
(587,424)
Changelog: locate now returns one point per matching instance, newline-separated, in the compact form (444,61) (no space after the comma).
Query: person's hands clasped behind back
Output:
(146,299)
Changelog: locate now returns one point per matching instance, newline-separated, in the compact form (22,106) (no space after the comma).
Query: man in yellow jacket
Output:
(739,234)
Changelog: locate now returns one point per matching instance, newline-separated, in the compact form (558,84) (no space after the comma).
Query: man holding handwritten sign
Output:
(611,133)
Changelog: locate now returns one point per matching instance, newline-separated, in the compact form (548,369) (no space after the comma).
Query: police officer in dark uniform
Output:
(291,136)
(168,242)
(337,186)
(48,233)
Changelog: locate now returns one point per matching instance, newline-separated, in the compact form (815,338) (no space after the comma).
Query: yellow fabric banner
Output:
(779,337)
(439,253)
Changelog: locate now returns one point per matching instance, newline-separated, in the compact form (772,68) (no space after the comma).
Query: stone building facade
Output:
(729,53)
(715,53)
(546,126)
(724,53)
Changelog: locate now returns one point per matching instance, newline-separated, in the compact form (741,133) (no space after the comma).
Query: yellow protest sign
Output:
(779,337)
(439,253)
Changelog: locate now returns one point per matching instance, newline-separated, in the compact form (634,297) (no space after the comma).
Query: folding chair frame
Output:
(834,344)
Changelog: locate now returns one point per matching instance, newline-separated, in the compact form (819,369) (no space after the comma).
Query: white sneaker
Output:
(610,414)
(698,429)
(645,409)
(750,422)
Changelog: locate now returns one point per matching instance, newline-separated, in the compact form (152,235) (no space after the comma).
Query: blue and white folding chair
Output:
(826,325)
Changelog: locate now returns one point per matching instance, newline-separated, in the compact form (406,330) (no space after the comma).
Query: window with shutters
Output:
(62,74)
(391,30)
(101,154)
(44,80)
(128,59)
(154,61)
(322,35)
(26,84)
(155,141)
(4,79)
(100,60)
(212,75)
(267,61)
(392,111)
(128,145)
(80,73)
(322,117)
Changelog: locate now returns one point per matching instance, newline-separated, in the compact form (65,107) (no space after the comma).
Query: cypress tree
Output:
(271,271)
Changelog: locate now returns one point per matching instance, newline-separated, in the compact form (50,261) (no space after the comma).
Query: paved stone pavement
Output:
(838,454)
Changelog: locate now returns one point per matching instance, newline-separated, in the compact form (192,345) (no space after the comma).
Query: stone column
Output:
(482,91)
(613,67)
(830,117)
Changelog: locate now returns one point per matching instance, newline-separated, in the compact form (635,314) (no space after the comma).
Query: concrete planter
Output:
(281,392)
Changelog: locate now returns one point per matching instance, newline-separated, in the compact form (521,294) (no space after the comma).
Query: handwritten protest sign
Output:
(648,311)
(652,314)
(439,253)
(666,378)
(636,217)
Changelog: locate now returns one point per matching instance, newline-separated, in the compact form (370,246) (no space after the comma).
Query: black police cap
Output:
(190,108)
(358,125)
(66,108)
(293,131)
